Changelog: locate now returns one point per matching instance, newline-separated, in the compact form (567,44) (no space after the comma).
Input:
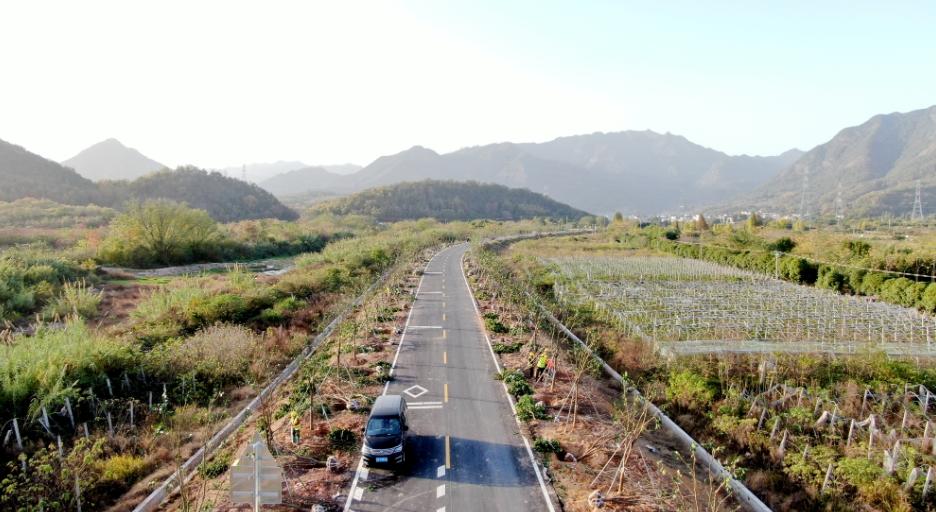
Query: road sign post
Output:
(255,477)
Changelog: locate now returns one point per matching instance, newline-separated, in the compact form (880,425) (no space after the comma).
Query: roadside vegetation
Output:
(892,265)
(808,431)
(150,386)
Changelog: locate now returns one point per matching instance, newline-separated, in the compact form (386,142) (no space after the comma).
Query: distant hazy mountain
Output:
(632,172)
(448,201)
(341,168)
(111,160)
(301,181)
(877,164)
(24,174)
(257,172)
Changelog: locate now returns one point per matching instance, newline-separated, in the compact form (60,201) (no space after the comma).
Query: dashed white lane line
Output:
(357,492)
(440,471)
(513,409)
(440,491)
(364,474)
(440,509)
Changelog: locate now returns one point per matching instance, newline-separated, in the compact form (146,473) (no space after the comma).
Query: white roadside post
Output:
(255,477)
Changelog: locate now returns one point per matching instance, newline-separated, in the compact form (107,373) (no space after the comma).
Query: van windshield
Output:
(383,427)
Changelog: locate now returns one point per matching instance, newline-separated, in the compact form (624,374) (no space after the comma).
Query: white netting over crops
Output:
(697,306)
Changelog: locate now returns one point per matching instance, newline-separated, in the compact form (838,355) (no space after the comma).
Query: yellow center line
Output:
(446,392)
(448,453)
(443,317)
(444,357)
(444,334)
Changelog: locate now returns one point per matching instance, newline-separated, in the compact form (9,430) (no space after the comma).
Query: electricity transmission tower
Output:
(803,208)
(839,203)
(917,213)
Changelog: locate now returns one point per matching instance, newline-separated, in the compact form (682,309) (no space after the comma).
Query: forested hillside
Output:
(448,201)
(873,166)
(24,174)
(27,175)
(225,199)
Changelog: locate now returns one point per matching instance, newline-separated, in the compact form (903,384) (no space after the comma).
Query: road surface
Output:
(466,452)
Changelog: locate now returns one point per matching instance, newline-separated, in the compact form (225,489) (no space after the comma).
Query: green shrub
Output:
(160,232)
(784,244)
(689,390)
(75,299)
(216,466)
(832,279)
(547,446)
(342,439)
(858,471)
(527,409)
(124,469)
(928,302)
(517,384)
(507,348)
(494,324)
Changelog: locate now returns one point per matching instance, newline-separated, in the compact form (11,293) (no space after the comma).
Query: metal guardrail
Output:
(747,499)
(187,470)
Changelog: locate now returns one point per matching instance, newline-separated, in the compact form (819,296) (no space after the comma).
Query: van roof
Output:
(387,405)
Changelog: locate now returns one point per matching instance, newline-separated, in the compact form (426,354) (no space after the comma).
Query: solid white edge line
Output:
(513,409)
(417,407)
(357,473)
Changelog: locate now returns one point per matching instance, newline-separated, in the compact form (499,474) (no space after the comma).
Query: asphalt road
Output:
(466,452)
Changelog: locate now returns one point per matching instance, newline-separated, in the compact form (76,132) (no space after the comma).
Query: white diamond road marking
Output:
(416,391)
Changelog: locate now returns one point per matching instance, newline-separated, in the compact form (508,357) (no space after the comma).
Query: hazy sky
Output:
(226,82)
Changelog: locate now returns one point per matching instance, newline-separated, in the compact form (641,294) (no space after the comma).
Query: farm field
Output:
(691,306)
(815,399)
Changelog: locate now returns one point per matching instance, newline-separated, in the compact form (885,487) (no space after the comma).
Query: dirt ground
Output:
(593,425)
(308,481)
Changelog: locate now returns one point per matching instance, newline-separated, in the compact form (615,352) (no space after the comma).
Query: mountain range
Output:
(872,167)
(634,172)
(111,160)
(869,169)
(24,174)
